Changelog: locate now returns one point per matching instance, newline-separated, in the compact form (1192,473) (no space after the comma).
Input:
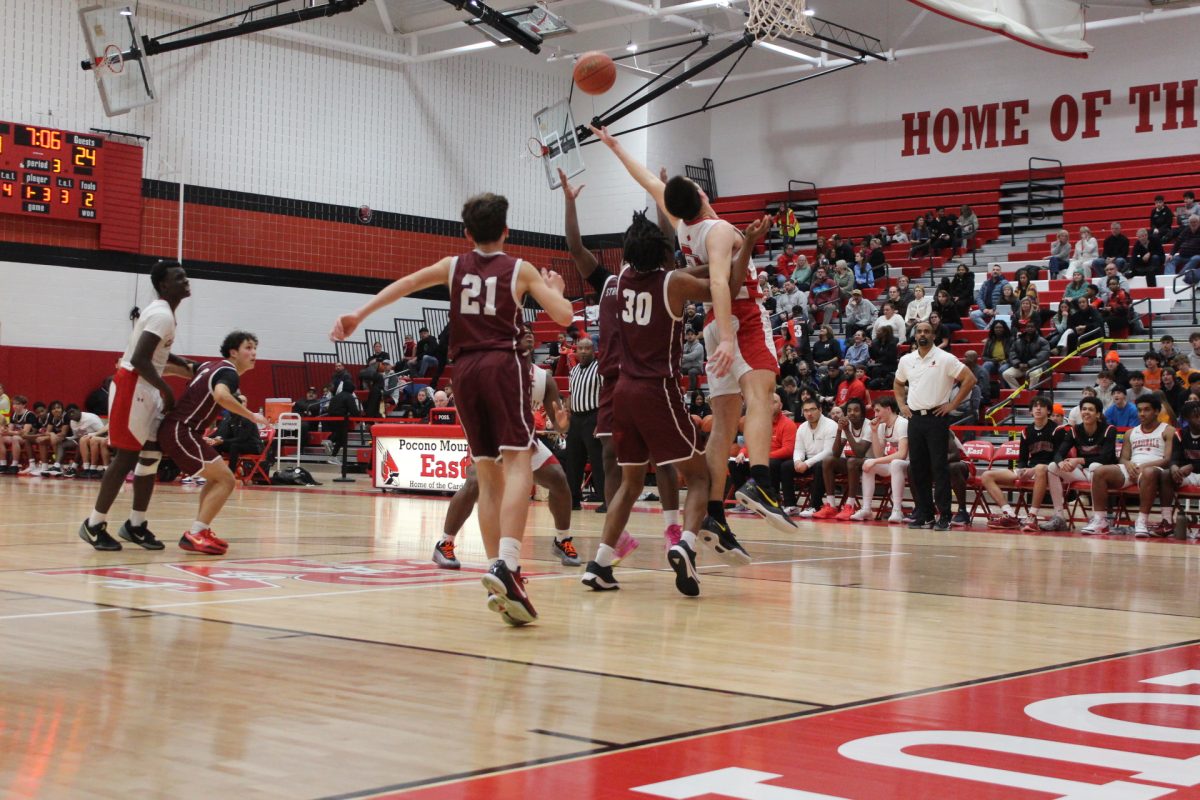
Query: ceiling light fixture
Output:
(631,47)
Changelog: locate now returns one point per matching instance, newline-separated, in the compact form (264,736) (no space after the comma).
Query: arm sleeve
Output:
(598,278)
(798,448)
(228,377)
(824,441)
(787,444)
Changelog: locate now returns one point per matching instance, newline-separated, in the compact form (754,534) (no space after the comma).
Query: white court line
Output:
(804,560)
(267,599)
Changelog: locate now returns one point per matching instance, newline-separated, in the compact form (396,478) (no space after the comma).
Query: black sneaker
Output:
(718,536)
(507,594)
(140,535)
(443,555)
(920,522)
(764,502)
(961,519)
(97,536)
(942,524)
(682,559)
(599,578)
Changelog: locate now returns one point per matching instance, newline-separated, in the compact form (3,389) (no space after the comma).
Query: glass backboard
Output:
(115,57)
(555,129)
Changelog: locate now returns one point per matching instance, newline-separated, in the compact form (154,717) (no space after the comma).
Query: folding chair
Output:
(257,463)
(980,454)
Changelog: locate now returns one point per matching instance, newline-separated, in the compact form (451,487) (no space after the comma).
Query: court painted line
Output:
(804,560)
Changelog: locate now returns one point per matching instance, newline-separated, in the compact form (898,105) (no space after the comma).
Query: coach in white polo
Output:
(924,379)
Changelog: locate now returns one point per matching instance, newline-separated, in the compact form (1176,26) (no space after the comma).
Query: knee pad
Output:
(147,463)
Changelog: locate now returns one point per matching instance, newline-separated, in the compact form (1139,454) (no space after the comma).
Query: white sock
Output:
(605,555)
(1143,519)
(137,518)
(510,552)
(1099,517)
(449,537)
(560,535)
(95,518)
(690,538)
(850,502)
(87,466)
(198,527)
(1007,510)
(671,517)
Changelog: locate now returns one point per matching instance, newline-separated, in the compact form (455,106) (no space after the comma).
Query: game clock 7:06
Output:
(52,173)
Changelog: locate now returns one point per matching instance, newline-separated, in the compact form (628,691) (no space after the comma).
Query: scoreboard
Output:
(51,173)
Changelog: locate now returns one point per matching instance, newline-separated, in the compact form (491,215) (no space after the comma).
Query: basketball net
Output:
(773,18)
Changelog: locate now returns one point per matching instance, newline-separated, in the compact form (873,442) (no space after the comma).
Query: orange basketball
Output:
(595,73)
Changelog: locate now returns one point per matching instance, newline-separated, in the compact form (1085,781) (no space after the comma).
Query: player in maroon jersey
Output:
(650,418)
(608,320)
(491,382)
(181,434)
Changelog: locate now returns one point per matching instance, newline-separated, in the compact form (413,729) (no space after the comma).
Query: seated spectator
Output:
(1117,309)
(906,294)
(1121,413)
(877,259)
(961,289)
(884,357)
(997,349)
(1172,392)
(1104,388)
(1086,322)
(850,386)
(52,439)
(860,314)
(944,232)
(789,396)
(783,446)
(827,353)
(96,402)
(968,412)
(1028,313)
(1116,251)
(1185,256)
(858,351)
(1153,371)
(1183,213)
(1075,416)
(822,300)
(1087,250)
(802,274)
(941,334)
(851,446)
(1137,386)
(814,444)
(1060,253)
(15,437)
(947,310)
(789,362)
(889,457)
(421,406)
(898,235)
(864,277)
(1038,445)
(918,310)
(890,319)
(805,378)
(1076,287)
(968,226)
(893,297)
(1027,359)
(698,407)
(692,318)
(692,362)
(1160,218)
(1061,334)
(1194,355)
(787,261)
(918,237)
(790,299)
(842,250)
(366,376)
(1166,349)
(427,354)
(341,380)
(1025,287)
(989,296)
(1110,271)
(843,276)
(823,254)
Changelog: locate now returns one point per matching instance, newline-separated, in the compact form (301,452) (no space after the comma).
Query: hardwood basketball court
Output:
(325,656)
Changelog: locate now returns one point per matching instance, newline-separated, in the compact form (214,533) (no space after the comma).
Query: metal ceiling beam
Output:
(385,17)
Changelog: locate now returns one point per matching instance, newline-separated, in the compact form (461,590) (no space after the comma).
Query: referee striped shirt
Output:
(584,385)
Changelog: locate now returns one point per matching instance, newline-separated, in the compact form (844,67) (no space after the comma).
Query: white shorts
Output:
(541,455)
(753,348)
(1192,480)
(134,411)
(1077,474)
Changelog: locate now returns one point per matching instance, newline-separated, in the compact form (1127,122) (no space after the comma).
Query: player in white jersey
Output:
(137,401)
(547,473)
(741,351)
(889,456)
(1144,455)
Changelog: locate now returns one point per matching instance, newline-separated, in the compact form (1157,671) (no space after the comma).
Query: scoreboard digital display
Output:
(51,173)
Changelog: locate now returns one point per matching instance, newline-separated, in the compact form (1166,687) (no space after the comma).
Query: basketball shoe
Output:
(683,560)
(140,535)
(671,535)
(201,542)
(626,544)
(443,555)
(98,536)
(564,550)
(718,536)
(827,512)
(599,578)
(763,501)
(508,597)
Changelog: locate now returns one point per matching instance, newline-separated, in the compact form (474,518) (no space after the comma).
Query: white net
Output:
(772,18)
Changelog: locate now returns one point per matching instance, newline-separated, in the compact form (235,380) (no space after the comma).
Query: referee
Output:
(582,444)
(924,380)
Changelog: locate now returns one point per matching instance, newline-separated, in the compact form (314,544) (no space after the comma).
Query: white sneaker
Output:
(806,513)
(792,511)
(31,469)
(896,518)
(188,481)
(1140,529)
(861,514)
(1096,526)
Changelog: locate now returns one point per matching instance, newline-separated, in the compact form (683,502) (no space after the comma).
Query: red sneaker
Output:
(1004,521)
(845,513)
(201,542)
(826,512)
(218,540)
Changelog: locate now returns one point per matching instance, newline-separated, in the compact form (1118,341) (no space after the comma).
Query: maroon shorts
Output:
(492,392)
(651,423)
(604,412)
(185,446)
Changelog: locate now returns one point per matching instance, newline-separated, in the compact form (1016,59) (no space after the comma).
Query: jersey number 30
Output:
(637,307)
(471,292)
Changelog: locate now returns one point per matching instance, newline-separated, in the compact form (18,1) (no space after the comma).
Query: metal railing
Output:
(1175,293)
(1037,191)
(705,176)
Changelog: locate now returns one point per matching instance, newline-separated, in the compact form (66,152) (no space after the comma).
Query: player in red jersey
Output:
(181,435)
(491,382)
(741,350)
(609,322)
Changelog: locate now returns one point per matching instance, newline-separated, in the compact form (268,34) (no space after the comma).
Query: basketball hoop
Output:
(770,19)
(536,148)
(112,59)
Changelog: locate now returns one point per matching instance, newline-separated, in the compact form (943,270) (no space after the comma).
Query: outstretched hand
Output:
(569,192)
(344,327)
(603,135)
(554,280)
(757,229)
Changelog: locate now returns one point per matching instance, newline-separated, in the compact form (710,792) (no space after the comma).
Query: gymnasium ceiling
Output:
(425,30)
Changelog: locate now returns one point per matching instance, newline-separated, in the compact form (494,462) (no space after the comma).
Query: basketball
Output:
(595,73)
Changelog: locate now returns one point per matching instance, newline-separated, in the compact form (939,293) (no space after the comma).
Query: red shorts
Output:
(133,412)
(492,392)
(186,447)
(651,423)
(604,412)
